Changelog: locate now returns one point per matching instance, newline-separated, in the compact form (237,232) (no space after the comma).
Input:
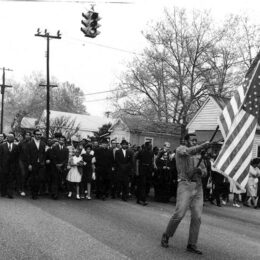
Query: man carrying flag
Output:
(238,123)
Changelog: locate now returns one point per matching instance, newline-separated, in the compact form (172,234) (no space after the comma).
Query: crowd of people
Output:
(30,166)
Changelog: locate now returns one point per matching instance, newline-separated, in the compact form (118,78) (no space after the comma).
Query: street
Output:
(113,229)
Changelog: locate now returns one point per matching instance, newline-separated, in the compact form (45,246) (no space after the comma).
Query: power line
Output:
(101,92)
(97,100)
(105,46)
(73,1)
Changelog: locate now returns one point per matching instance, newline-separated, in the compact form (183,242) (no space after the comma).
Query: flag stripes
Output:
(235,155)
(230,111)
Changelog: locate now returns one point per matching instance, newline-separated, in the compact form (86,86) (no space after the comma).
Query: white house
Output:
(205,122)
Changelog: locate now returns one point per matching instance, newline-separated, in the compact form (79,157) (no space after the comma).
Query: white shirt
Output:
(10,146)
(37,143)
(124,152)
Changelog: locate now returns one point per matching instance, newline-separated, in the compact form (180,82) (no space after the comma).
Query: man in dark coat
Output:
(59,157)
(104,160)
(144,168)
(8,165)
(113,184)
(124,163)
(36,162)
(23,162)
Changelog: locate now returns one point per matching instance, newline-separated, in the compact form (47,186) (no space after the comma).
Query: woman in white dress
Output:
(75,173)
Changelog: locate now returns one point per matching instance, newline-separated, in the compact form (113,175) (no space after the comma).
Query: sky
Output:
(94,65)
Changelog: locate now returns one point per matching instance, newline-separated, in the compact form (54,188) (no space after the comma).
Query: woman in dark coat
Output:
(88,170)
(163,178)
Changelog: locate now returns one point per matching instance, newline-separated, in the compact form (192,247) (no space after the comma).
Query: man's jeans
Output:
(189,194)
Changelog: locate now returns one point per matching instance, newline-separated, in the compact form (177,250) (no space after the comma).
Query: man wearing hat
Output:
(189,192)
(124,163)
(104,161)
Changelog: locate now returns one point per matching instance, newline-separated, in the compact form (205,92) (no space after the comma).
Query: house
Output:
(138,131)
(87,124)
(205,122)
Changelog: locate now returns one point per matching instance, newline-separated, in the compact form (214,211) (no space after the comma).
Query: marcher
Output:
(144,169)
(162,181)
(23,162)
(36,162)
(124,164)
(103,169)
(59,158)
(189,193)
(9,153)
(88,172)
(75,174)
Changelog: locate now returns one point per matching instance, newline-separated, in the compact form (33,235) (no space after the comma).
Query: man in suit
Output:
(124,163)
(8,165)
(144,168)
(113,184)
(59,157)
(36,162)
(104,160)
(23,162)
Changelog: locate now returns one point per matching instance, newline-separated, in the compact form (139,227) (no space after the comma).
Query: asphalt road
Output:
(113,229)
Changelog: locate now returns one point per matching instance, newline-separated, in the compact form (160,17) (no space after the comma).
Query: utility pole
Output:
(48,37)
(3,86)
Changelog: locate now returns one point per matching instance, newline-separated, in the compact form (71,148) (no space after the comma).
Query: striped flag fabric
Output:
(238,123)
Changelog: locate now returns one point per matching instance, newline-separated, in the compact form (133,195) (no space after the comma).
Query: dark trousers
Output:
(36,178)
(56,178)
(123,187)
(7,183)
(102,182)
(23,175)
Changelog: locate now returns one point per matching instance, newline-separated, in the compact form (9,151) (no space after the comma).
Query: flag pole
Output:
(211,139)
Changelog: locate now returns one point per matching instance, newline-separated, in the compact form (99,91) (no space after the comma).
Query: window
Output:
(149,139)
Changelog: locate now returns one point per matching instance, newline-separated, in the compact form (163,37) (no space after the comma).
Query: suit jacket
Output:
(124,163)
(36,156)
(23,151)
(8,159)
(60,156)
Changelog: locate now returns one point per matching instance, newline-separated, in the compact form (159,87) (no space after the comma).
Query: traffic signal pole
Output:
(48,37)
(3,86)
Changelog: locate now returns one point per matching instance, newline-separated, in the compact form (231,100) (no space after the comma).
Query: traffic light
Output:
(91,24)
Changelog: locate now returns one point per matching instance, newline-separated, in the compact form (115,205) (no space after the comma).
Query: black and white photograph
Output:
(129,129)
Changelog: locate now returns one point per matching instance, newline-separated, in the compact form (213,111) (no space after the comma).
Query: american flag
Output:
(238,123)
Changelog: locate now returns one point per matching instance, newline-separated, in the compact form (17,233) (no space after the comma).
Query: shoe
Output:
(219,205)
(124,199)
(245,204)
(34,197)
(23,194)
(193,249)
(54,197)
(82,197)
(237,205)
(224,202)
(88,198)
(77,197)
(10,196)
(69,194)
(165,241)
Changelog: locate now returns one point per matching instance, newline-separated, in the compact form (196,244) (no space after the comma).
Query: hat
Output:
(124,142)
(188,136)
(104,141)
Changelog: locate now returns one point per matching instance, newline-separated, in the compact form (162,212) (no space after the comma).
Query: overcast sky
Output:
(91,64)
